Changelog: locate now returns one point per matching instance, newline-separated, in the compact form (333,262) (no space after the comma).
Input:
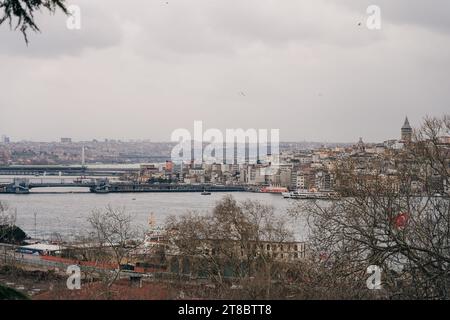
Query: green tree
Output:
(20,13)
(11,294)
(9,232)
(12,234)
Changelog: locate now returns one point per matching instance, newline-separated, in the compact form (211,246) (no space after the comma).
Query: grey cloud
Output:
(306,68)
(218,27)
(434,14)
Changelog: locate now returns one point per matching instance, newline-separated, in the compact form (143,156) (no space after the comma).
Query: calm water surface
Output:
(66,213)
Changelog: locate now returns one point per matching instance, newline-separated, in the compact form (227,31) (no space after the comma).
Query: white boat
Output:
(304,195)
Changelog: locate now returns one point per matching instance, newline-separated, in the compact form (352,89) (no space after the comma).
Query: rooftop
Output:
(42,247)
(406,125)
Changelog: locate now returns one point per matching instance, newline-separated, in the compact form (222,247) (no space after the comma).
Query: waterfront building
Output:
(5,139)
(300,181)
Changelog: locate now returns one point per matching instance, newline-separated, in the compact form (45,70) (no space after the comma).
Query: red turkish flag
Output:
(401,220)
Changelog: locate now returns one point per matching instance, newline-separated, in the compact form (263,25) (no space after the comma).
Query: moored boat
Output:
(309,195)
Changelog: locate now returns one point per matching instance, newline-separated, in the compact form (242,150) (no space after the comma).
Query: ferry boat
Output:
(271,189)
(286,195)
(308,195)
(155,235)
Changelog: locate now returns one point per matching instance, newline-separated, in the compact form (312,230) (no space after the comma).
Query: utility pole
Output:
(83,156)
(35,224)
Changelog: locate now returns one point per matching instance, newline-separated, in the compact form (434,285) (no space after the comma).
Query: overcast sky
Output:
(140,69)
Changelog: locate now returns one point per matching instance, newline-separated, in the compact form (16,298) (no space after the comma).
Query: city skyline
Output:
(313,70)
(5,138)
(210,151)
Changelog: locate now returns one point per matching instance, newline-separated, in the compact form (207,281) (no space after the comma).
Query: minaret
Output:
(406,131)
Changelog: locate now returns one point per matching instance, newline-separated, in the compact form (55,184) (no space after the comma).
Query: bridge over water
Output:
(57,170)
(23,186)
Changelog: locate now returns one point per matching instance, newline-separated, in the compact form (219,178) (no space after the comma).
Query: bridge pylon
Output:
(101,186)
(19,186)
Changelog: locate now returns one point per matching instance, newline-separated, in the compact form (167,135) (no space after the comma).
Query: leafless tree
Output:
(233,238)
(7,216)
(113,240)
(8,219)
(394,213)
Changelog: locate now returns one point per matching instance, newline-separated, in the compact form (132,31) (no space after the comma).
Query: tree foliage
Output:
(12,234)
(9,232)
(21,13)
(7,293)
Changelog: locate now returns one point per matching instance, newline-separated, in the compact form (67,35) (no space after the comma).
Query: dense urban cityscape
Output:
(302,166)
(221,159)
(302,172)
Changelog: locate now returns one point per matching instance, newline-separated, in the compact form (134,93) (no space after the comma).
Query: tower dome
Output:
(406,131)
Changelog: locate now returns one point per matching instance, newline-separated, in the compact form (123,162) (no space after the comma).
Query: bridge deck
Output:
(61,185)
(119,187)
